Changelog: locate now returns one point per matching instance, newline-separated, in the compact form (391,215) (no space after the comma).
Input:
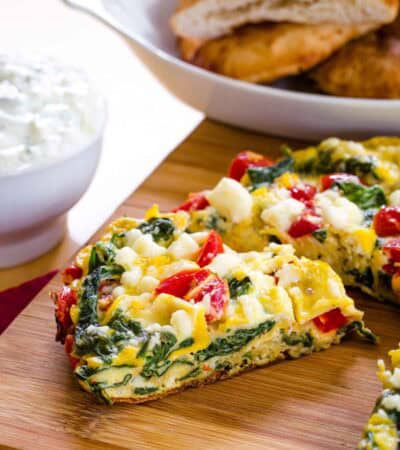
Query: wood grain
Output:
(318,402)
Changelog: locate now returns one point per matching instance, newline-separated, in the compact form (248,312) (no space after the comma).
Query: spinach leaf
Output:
(361,330)
(160,228)
(145,390)
(385,280)
(156,360)
(365,278)
(124,325)
(239,287)
(320,235)
(235,342)
(118,240)
(365,197)
(295,339)
(99,388)
(266,175)
(102,254)
(193,373)
(89,293)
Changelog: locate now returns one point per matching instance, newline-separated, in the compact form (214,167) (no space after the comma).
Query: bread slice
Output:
(208,19)
(267,52)
(152,309)
(366,68)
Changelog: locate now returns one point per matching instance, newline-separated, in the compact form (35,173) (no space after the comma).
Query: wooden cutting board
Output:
(318,402)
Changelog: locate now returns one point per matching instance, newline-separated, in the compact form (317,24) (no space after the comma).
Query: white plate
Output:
(276,110)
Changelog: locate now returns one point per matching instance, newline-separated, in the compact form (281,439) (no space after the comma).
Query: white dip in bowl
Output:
(51,126)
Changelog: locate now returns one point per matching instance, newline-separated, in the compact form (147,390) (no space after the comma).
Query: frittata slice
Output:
(151,309)
(383,429)
(338,202)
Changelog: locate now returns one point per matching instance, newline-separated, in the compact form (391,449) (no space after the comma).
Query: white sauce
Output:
(47,110)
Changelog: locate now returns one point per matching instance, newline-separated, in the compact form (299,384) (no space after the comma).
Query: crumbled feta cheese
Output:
(223,263)
(392,402)
(185,247)
(394,198)
(182,323)
(288,275)
(200,236)
(231,200)
(283,214)
(337,211)
(252,309)
(125,257)
(132,236)
(395,378)
(147,284)
(131,277)
(145,246)
(118,291)
(177,266)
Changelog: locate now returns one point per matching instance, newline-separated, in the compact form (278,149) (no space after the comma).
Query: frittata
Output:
(338,202)
(151,309)
(383,429)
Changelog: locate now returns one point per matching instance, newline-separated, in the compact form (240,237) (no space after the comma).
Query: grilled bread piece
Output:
(383,428)
(208,19)
(368,67)
(338,201)
(267,52)
(150,309)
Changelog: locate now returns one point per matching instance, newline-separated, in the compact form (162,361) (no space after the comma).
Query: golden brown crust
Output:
(267,52)
(368,67)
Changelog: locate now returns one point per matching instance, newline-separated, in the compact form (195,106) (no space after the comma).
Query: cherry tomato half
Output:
(182,282)
(196,202)
(387,221)
(307,224)
(71,273)
(244,160)
(332,320)
(328,180)
(217,293)
(392,249)
(69,345)
(64,300)
(304,193)
(211,248)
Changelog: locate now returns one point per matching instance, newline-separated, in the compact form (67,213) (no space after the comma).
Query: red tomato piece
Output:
(71,273)
(182,282)
(217,292)
(307,224)
(196,202)
(244,160)
(331,320)
(211,248)
(69,345)
(328,180)
(64,300)
(387,221)
(392,249)
(304,193)
(390,268)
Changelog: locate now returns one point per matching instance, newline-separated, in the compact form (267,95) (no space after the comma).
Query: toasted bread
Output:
(368,67)
(267,52)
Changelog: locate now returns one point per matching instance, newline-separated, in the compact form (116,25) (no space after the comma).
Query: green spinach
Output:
(160,228)
(102,254)
(366,198)
(145,390)
(365,278)
(235,342)
(266,175)
(156,360)
(295,339)
(320,235)
(239,287)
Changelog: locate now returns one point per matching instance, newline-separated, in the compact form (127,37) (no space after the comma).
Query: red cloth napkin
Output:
(14,300)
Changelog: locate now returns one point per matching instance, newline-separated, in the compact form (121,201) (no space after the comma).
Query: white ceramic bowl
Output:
(34,202)
(279,111)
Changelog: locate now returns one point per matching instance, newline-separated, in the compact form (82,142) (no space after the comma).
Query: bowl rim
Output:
(67,155)
(100,11)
